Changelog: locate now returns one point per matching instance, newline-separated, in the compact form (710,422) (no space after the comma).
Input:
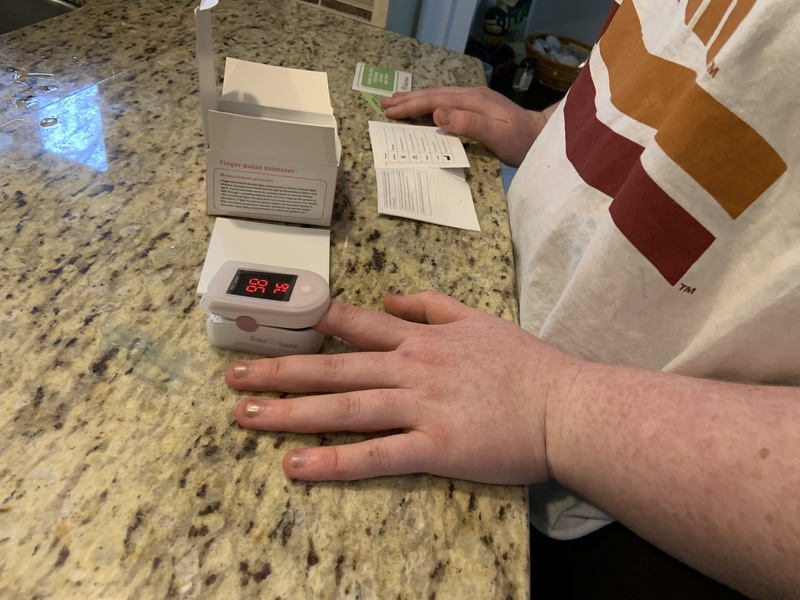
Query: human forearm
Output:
(709,471)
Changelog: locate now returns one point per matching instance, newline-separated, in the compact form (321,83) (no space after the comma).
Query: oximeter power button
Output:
(246,323)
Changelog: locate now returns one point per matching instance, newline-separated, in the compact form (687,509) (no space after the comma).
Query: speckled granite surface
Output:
(122,471)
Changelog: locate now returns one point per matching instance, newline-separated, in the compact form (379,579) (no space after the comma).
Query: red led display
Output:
(263,285)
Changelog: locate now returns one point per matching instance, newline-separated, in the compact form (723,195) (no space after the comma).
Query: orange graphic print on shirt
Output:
(718,150)
(717,23)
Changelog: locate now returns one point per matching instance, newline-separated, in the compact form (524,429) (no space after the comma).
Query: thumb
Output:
(458,122)
(441,117)
(430,307)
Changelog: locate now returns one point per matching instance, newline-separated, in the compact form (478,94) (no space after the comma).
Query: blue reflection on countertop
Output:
(73,128)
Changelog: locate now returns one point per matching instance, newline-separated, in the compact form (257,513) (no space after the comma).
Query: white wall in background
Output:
(403,16)
(446,23)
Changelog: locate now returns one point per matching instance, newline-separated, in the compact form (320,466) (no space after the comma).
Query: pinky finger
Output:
(397,454)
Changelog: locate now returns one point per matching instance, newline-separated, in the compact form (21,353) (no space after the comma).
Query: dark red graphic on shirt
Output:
(719,151)
(668,236)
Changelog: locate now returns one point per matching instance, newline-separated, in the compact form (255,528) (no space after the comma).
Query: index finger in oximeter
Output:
(264,309)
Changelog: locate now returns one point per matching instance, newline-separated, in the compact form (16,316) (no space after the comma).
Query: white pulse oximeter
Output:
(265,309)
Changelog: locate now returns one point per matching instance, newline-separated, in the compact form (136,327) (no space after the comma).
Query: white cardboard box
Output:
(272,147)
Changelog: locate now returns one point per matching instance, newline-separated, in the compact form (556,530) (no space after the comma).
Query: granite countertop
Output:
(123,473)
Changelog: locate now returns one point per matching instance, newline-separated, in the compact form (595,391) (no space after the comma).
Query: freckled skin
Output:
(729,511)
(707,470)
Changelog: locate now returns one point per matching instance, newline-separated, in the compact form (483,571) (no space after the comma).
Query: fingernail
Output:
(252,408)
(240,370)
(298,460)
(443,117)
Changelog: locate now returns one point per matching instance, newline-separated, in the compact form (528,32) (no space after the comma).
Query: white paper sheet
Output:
(440,196)
(266,244)
(415,147)
(416,177)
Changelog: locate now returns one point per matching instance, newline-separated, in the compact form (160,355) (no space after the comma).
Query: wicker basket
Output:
(550,73)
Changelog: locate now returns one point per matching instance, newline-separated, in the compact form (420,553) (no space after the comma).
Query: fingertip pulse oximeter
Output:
(265,309)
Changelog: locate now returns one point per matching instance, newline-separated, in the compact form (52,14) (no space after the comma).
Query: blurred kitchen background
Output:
(462,25)
(449,23)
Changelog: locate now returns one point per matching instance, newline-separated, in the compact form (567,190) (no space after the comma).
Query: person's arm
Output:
(707,470)
(505,128)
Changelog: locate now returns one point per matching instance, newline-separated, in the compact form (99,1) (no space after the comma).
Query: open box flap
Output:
(261,90)
(205,61)
(301,143)
(255,89)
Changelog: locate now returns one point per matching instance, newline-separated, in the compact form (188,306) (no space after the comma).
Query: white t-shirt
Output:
(656,220)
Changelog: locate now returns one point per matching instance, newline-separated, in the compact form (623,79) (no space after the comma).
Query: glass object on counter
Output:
(524,75)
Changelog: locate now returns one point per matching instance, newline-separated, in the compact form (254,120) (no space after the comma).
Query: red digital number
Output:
(281,288)
(256,286)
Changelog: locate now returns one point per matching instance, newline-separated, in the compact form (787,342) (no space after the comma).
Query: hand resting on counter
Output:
(505,128)
(459,389)
(475,397)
